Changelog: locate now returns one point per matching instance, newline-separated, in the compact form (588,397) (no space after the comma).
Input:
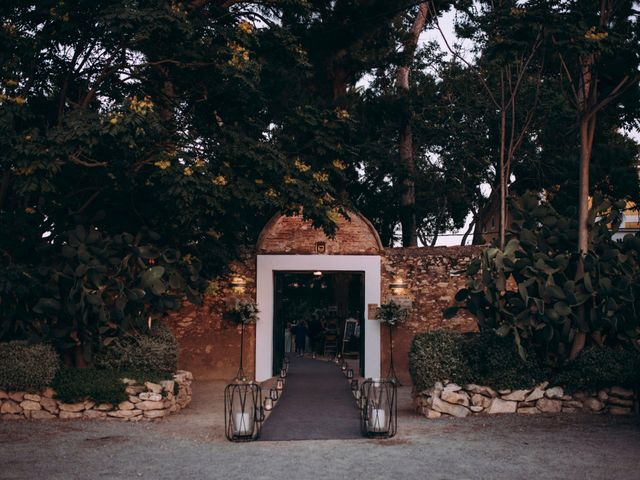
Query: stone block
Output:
(478,400)
(592,404)
(554,393)
(3,395)
(49,404)
(16,396)
(71,407)
(32,397)
(153,387)
(93,414)
(41,415)
(528,410)
(124,413)
(548,405)
(150,405)
(455,397)
(30,405)
(134,389)
(154,397)
(10,407)
(621,393)
(155,413)
(125,405)
(103,407)
(516,396)
(502,406)
(66,415)
(168,385)
(449,409)
(48,392)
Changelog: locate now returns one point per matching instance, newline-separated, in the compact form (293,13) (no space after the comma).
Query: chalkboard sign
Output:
(350,325)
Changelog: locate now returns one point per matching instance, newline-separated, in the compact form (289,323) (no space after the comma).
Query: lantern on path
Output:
(243,411)
(350,373)
(378,408)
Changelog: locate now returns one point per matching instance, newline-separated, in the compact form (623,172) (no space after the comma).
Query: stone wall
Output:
(209,344)
(433,276)
(449,399)
(144,401)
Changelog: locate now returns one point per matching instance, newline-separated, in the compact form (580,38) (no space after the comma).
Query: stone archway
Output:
(292,244)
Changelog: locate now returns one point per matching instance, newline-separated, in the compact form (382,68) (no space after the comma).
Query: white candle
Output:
(242,424)
(377,421)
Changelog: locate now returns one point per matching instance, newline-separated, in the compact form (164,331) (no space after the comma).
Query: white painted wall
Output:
(268,264)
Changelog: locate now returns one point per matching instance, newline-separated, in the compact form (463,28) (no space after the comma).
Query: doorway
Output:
(330,306)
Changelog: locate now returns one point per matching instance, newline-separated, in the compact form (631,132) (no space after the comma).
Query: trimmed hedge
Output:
(25,367)
(156,351)
(488,359)
(77,384)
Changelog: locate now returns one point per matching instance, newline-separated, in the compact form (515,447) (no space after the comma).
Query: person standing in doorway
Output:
(301,336)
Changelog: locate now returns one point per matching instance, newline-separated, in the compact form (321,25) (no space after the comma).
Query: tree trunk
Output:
(405,140)
(502,222)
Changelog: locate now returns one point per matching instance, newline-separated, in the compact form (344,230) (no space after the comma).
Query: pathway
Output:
(317,404)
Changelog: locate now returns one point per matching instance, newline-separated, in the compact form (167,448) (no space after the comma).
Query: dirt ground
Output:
(191,444)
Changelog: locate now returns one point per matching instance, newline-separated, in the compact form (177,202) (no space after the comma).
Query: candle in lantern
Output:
(280,384)
(350,373)
(377,421)
(242,424)
(268,404)
(273,393)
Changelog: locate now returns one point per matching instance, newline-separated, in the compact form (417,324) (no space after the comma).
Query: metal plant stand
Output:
(243,412)
(391,374)
(378,408)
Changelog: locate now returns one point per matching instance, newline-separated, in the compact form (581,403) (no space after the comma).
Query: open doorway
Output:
(331,306)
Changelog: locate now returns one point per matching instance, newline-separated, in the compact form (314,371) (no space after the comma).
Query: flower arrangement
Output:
(392,313)
(244,313)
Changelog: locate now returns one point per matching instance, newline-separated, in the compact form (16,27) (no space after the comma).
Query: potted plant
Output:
(245,312)
(392,314)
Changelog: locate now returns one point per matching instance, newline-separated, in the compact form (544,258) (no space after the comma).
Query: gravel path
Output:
(191,445)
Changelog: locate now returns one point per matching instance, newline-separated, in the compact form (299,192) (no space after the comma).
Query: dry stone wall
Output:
(450,399)
(146,401)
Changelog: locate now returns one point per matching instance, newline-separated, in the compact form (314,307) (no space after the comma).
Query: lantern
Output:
(350,373)
(343,367)
(378,408)
(243,412)
(354,385)
(268,404)
(273,393)
(280,385)
(283,373)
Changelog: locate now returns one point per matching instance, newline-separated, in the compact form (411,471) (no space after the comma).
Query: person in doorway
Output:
(287,338)
(301,336)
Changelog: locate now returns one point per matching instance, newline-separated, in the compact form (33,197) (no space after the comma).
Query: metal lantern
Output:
(354,385)
(273,393)
(285,362)
(280,385)
(350,373)
(378,408)
(343,367)
(243,413)
(283,373)
(268,404)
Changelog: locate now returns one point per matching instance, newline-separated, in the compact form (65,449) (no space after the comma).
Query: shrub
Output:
(600,367)
(25,367)
(436,356)
(494,361)
(77,384)
(157,350)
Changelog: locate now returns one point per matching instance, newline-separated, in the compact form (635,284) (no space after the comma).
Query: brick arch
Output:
(294,235)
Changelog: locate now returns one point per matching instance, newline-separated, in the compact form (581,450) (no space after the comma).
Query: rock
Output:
(92,414)
(452,387)
(431,414)
(134,389)
(476,408)
(516,396)
(449,409)
(486,391)
(504,391)
(620,392)
(554,393)
(548,405)
(502,406)
(155,413)
(89,404)
(71,407)
(103,407)
(150,405)
(3,394)
(569,410)
(134,399)
(526,404)
(129,381)
(457,397)
(620,410)
(438,386)
(12,416)
(155,397)
(580,396)
(153,387)
(592,404)
(32,397)
(49,404)
(30,405)
(528,410)
(10,407)
(603,395)
(572,404)
(48,393)
(125,405)
(66,415)
(41,415)
(124,413)
(168,385)
(620,402)
(478,400)
(16,396)
(184,374)
(543,385)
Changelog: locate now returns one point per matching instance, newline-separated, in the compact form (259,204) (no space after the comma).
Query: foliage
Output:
(77,384)
(602,367)
(392,314)
(531,290)
(436,356)
(156,351)
(94,287)
(25,367)
(245,312)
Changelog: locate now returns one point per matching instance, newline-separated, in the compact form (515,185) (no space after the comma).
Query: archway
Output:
(290,244)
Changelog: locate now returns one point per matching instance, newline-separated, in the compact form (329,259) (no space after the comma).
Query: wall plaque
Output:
(403,300)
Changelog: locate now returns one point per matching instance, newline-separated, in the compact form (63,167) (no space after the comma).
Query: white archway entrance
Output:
(268,264)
